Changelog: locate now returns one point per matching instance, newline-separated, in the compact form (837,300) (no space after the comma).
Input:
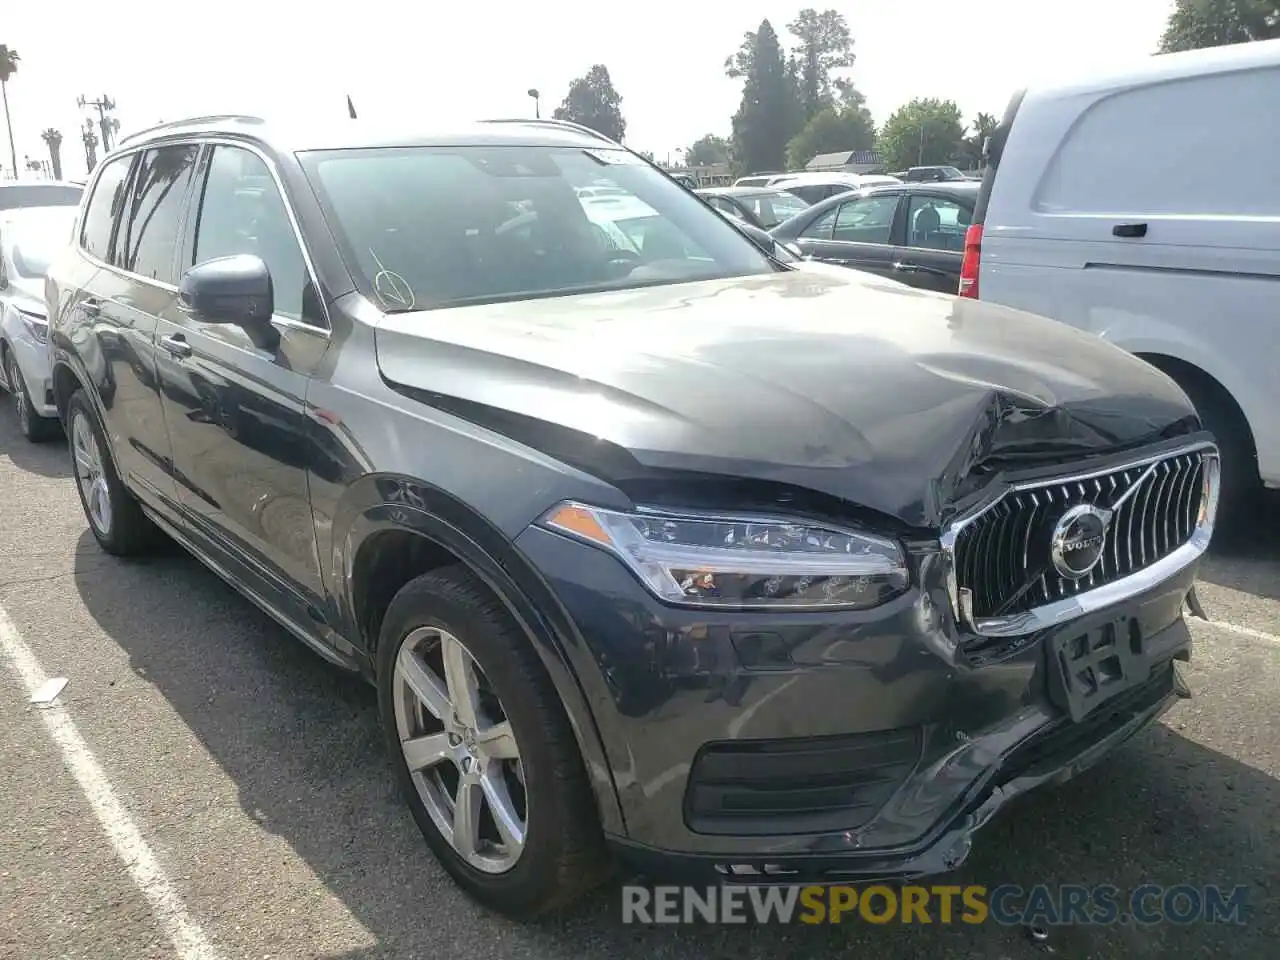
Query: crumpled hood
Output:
(884,396)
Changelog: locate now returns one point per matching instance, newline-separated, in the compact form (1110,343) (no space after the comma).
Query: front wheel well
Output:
(385,563)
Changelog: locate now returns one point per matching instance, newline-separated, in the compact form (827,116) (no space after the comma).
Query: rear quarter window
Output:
(1187,147)
(104,204)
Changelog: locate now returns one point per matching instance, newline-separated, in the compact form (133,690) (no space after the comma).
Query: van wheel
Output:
(1240,485)
(114,516)
(482,749)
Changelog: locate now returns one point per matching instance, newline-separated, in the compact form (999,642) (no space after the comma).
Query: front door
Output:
(235,403)
(855,234)
(933,243)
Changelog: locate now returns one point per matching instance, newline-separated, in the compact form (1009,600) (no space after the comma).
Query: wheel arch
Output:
(389,529)
(1184,372)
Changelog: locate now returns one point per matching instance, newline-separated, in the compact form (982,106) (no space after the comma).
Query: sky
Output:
(459,61)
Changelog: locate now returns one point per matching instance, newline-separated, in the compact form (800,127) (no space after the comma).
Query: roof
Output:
(740,191)
(957,187)
(1142,70)
(843,158)
(355,134)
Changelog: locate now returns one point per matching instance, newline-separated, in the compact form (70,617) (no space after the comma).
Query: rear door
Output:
(932,241)
(855,234)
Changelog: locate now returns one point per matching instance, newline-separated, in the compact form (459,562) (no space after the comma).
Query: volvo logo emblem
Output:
(1078,540)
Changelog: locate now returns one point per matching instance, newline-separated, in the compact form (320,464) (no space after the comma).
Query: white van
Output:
(1143,204)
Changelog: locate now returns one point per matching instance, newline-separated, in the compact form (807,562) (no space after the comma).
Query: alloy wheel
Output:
(460,749)
(90,476)
(19,394)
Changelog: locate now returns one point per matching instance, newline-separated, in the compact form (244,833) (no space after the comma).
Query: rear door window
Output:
(936,223)
(148,243)
(105,204)
(866,220)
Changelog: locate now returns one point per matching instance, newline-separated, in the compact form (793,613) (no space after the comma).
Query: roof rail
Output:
(558,124)
(211,118)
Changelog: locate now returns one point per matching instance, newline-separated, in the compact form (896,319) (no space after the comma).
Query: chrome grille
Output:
(1002,557)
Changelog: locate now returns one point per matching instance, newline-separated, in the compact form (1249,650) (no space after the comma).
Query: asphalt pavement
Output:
(205,788)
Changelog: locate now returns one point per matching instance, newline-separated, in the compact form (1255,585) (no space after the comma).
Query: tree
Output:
(845,126)
(707,150)
(1210,23)
(825,45)
(770,113)
(922,132)
(53,140)
(8,67)
(593,102)
(984,125)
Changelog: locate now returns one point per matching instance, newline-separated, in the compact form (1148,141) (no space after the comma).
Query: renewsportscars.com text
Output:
(1006,904)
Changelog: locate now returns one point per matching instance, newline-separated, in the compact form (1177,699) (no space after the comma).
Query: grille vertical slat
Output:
(1007,547)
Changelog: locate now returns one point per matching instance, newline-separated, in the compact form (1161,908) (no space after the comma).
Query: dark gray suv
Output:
(654,546)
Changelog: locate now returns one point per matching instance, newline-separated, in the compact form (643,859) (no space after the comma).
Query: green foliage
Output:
(8,63)
(844,126)
(825,45)
(770,113)
(984,125)
(1210,23)
(707,150)
(925,131)
(593,102)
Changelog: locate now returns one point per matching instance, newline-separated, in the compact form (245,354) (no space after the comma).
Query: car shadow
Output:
(1248,559)
(48,459)
(314,772)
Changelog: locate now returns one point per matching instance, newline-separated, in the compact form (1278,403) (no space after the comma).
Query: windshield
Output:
(772,208)
(15,196)
(425,227)
(34,238)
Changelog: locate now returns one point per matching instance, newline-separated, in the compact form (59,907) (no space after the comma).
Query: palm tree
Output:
(8,67)
(53,140)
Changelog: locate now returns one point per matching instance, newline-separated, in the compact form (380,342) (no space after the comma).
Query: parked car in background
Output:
(15,195)
(759,206)
(758,179)
(934,174)
(1097,212)
(29,239)
(814,187)
(669,550)
(912,232)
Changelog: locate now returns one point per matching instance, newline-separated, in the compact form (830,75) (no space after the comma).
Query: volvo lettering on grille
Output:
(1078,540)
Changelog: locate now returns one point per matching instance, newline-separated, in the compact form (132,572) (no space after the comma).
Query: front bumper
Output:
(34,364)
(856,745)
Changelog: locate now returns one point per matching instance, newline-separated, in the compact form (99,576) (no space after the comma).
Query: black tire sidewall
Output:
(521,890)
(125,512)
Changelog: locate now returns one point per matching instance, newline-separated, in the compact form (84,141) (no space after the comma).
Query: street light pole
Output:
(537,103)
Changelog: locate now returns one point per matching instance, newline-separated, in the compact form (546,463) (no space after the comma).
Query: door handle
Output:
(906,268)
(176,345)
(91,307)
(1129,230)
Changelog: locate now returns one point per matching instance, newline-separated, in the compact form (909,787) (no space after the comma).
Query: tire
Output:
(1240,486)
(35,428)
(563,855)
(128,532)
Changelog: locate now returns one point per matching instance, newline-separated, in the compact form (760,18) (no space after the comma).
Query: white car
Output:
(29,238)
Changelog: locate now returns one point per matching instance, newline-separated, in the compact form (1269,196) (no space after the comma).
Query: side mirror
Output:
(228,290)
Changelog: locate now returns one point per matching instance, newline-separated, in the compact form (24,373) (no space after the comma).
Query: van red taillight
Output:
(972,259)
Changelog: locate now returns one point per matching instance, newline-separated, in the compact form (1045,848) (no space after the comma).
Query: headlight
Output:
(741,561)
(36,325)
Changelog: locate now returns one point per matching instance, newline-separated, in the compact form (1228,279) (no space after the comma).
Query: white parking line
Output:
(127,840)
(1242,631)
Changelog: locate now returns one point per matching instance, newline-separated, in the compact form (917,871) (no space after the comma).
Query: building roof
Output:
(844,158)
